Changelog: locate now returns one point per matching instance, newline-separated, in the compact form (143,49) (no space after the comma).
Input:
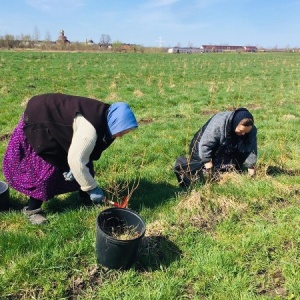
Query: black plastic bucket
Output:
(113,252)
(4,196)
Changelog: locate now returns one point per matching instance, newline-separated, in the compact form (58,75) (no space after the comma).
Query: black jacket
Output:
(48,127)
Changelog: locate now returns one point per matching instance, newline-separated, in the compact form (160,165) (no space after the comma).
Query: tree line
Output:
(10,41)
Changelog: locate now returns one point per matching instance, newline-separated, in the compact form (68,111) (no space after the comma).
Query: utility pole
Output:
(160,42)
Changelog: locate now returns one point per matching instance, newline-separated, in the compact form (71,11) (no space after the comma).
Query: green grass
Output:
(236,239)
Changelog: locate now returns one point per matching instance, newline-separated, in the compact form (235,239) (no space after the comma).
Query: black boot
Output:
(85,198)
(34,212)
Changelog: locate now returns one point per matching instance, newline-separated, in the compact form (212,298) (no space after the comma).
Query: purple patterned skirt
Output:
(29,174)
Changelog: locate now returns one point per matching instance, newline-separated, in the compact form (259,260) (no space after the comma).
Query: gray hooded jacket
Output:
(217,133)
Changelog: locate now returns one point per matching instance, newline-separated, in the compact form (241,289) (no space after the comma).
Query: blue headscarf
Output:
(120,117)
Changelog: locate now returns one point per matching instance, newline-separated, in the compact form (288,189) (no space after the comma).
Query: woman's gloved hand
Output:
(68,176)
(97,195)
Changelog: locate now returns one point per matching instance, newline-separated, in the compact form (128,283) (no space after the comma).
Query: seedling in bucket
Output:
(119,233)
(125,233)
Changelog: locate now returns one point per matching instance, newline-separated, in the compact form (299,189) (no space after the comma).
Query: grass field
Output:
(235,239)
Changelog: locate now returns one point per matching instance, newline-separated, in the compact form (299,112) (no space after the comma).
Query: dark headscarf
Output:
(240,115)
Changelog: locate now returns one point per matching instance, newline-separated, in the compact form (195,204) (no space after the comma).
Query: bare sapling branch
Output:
(124,187)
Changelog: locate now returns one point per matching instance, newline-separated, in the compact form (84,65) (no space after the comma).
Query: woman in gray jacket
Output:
(226,141)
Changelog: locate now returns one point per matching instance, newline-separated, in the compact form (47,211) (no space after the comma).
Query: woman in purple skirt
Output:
(52,149)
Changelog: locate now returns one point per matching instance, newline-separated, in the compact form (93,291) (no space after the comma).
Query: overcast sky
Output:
(262,23)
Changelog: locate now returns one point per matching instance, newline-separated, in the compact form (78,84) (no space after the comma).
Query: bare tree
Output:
(26,40)
(105,39)
(48,37)
(9,41)
(36,34)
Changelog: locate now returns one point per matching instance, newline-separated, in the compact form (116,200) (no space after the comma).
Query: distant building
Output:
(126,48)
(187,50)
(225,48)
(89,42)
(62,39)
(213,48)
(251,49)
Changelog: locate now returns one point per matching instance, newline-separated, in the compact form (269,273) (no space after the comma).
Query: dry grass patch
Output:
(289,117)
(5,137)
(232,177)
(203,210)
(11,226)
(156,228)
(138,93)
(25,101)
(113,97)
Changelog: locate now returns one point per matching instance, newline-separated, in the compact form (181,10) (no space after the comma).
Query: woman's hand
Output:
(209,171)
(251,172)
(208,165)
